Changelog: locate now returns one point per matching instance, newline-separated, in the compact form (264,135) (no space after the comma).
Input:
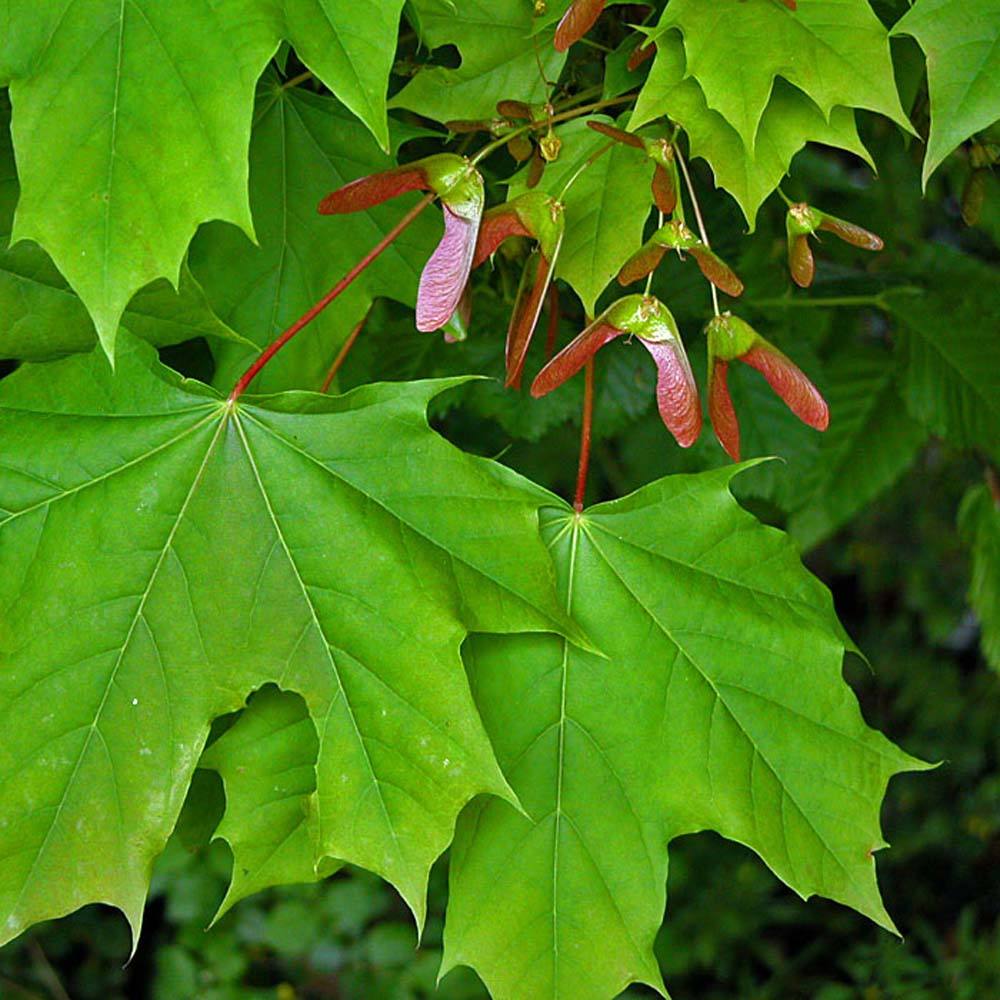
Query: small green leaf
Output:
(961,39)
(949,350)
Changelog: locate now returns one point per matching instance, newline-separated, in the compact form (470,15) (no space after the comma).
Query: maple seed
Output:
(661,152)
(580,17)
(460,188)
(536,215)
(677,236)
(803,221)
(654,327)
(731,339)
(642,52)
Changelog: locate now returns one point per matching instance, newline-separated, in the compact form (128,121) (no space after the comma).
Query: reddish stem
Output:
(276,345)
(342,353)
(588,419)
(553,330)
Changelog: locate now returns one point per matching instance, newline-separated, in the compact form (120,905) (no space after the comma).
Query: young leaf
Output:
(131,122)
(304,145)
(166,553)
(834,51)
(719,706)
(962,41)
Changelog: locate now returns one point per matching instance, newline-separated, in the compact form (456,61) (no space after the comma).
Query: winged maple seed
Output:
(729,339)
(642,52)
(580,17)
(538,216)
(675,235)
(801,222)
(460,187)
(661,152)
(652,323)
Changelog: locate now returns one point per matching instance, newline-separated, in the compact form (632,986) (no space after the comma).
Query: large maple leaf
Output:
(131,121)
(719,705)
(165,553)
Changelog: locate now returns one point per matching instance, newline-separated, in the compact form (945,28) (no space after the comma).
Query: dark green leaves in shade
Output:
(979,524)
(870,442)
(718,704)
(166,553)
(949,350)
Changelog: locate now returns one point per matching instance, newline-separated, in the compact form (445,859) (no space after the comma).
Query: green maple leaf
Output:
(304,146)
(720,706)
(835,51)
(871,441)
(44,319)
(500,59)
(948,347)
(979,524)
(606,207)
(749,174)
(961,39)
(131,121)
(166,553)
